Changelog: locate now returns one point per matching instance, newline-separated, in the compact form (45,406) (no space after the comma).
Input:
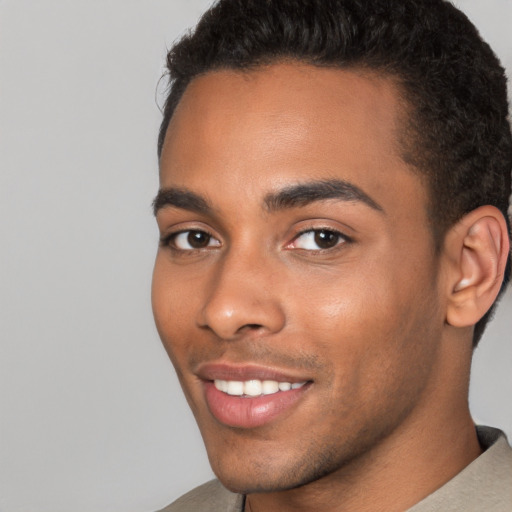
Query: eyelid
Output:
(166,240)
(344,239)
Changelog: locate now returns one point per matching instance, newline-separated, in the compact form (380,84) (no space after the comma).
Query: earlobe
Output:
(480,247)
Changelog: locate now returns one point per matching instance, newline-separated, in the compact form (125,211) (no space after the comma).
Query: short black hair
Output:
(457,133)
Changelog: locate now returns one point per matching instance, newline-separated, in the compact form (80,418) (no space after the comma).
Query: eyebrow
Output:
(181,198)
(293,196)
(303,194)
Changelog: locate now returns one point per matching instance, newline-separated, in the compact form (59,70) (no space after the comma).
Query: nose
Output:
(242,298)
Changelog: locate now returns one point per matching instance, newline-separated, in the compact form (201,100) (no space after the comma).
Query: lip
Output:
(226,371)
(249,412)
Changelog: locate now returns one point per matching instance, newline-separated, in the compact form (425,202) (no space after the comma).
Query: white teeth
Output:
(269,387)
(254,387)
(235,388)
(222,385)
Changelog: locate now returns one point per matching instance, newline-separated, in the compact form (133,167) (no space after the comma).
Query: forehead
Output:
(287,122)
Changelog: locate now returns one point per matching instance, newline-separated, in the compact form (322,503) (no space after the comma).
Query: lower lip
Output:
(250,412)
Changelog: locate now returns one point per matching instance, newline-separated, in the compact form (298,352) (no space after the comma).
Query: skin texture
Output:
(384,420)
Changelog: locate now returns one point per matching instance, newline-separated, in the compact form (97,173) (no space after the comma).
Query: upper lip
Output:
(228,371)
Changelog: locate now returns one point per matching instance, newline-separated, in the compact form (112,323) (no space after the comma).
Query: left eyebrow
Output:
(303,194)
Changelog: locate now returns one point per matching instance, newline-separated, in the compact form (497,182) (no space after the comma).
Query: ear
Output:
(478,247)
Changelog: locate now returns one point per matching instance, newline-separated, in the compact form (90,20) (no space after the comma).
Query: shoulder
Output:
(209,497)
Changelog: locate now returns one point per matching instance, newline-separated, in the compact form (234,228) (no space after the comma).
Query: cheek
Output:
(381,326)
(172,311)
(378,363)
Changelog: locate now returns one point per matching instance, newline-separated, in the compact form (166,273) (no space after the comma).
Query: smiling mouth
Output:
(250,396)
(252,403)
(255,387)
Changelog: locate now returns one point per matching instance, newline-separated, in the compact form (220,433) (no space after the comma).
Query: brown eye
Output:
(318,240)
(198,239)
(193,240)
(326,239)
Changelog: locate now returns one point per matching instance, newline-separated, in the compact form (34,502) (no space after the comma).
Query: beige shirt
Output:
(483,486)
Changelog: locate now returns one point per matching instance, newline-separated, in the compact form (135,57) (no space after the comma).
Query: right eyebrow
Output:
(181,198)
(302,194)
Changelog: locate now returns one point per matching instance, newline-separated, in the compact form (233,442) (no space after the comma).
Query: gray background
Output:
(91,416)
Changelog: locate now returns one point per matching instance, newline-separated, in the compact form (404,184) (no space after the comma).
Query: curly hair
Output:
(457,133)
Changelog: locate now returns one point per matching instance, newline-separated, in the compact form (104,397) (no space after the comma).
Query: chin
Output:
(271,471)
(256,483)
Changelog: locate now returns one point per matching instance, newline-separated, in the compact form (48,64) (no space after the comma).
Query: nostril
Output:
(252,327)
(247,328)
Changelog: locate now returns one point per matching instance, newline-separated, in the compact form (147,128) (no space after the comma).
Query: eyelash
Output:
(342,239)
(168,240)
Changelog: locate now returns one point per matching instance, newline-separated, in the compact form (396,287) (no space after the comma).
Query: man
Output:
(334,184)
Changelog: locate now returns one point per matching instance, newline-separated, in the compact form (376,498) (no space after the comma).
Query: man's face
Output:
(296,272)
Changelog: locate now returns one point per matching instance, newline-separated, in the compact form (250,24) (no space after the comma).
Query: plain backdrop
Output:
(91,416)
